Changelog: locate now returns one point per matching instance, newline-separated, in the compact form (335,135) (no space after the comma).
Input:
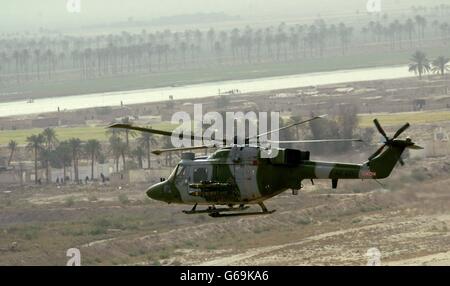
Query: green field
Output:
(397,119)
(64,133)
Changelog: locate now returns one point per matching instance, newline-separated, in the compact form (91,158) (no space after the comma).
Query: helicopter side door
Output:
(200,173)
(245,176)
(194,174)
(245,170)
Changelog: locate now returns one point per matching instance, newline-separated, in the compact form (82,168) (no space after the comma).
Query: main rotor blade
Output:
(379,150)
(401,130)
(316,141)
(415,147)
(286,127)
(380,129)
(160,151)
(153,131)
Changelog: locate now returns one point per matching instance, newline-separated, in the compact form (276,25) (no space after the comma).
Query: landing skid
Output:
(224,212)
(215,210)
(241,214)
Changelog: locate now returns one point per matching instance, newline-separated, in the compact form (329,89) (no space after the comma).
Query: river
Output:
(52,104)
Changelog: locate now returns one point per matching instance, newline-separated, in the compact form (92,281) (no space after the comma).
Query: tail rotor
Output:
(393,141)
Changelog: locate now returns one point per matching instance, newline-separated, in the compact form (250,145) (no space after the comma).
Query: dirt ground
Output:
(407,221)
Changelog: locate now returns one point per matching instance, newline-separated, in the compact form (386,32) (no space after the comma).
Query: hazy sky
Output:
(31,14)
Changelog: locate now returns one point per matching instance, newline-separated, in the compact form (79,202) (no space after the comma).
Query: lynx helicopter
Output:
(235,176)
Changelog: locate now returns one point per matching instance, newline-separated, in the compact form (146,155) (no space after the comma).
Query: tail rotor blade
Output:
(380,129)
(401,130)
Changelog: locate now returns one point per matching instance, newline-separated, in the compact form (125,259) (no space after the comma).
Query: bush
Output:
(164,255)
(370,208)
(123,199)
(190,243)
(30,234)
(155,263)
(97,230)
(304,220)
(70,201)
(356,220)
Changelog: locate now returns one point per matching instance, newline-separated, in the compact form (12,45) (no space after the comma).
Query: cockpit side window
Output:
(200,174)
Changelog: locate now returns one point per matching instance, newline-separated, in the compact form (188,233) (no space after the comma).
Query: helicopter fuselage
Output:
(238,175)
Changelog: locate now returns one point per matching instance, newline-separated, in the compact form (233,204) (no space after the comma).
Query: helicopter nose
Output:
(156,191)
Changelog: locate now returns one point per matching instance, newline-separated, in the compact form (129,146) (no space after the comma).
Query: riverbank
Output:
(191,92)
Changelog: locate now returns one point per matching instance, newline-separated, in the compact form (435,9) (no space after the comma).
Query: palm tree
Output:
(75,147)
(63,154)
(147,139)
(50,140)
(35,144)
(50,59)
(420,64)
(25,55)
(16,56)
(345,34)
(409,27)
(258,39)
(139,153)
(46,157)
(441,65)
(118,149)
(37,56)
(421,24)
(166,144)
(12,145)
(93,149)
(211,36)
(128,132)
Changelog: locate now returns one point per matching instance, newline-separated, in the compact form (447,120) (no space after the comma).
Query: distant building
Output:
(45,122)
(440,145)
(13,124)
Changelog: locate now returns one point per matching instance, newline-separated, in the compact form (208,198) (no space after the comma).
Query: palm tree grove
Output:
(154,57)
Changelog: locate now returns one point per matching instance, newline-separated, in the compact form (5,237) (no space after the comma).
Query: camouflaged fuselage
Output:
(238,175)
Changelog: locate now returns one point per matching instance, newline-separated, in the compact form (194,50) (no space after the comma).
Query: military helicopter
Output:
(236,176)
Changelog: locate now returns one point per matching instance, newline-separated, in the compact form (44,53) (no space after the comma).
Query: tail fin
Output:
(383,164)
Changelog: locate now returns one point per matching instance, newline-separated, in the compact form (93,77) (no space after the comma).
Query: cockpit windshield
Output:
(180,174)
(181,171)
(174,172)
